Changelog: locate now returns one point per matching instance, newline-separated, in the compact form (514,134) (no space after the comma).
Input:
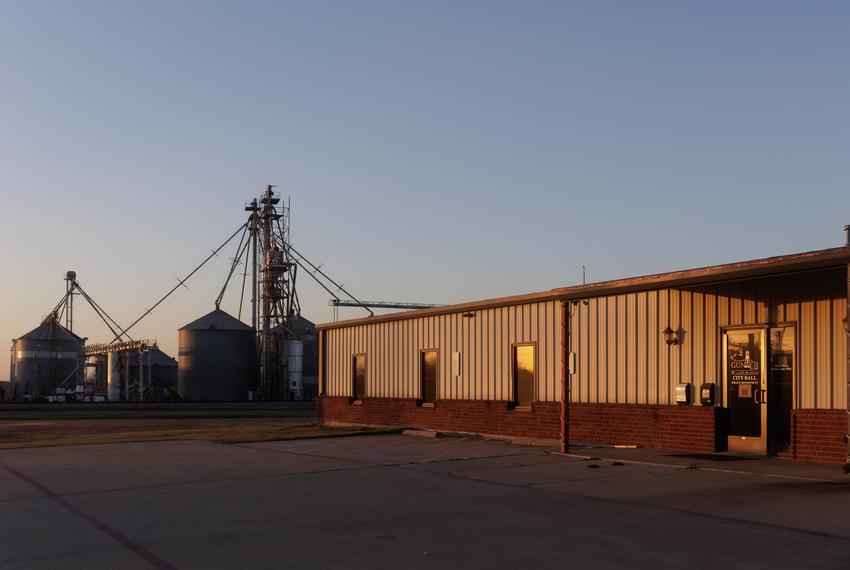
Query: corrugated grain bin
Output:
(44,359)
(217,359)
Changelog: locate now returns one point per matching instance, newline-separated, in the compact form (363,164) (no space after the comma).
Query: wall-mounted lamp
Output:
(846,325)
(670,336)
(468,315)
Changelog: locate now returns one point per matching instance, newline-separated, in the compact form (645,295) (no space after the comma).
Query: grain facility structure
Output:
(45,359)
(217,359)
(746,357)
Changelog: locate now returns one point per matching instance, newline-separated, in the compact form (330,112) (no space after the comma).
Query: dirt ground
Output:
(43,428)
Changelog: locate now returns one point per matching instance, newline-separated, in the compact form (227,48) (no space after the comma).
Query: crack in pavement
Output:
(112,533)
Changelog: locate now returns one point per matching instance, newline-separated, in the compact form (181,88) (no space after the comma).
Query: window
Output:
(359,376)
(523,371)
(428,376)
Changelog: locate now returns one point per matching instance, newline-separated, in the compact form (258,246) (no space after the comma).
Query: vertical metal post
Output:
(565,378)
(266,377)
(320,391)
(69,316)
(847,340)
(150,377)
(126,376)
(255,228)
(254,268)
(70,283)
(141,386)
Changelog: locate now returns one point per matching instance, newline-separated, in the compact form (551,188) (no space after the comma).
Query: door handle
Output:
(759,396)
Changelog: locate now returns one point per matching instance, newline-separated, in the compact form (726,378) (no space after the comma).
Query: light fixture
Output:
(671,336)
(846,325)
(468,315)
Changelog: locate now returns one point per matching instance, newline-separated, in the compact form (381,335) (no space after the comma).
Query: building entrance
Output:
(780,386)
(758,376)
(745,381)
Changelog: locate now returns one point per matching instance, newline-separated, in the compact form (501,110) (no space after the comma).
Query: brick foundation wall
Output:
(688,428)
(474,416)
(818,435)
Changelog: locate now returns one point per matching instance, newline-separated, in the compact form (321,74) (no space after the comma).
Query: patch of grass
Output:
(119,414)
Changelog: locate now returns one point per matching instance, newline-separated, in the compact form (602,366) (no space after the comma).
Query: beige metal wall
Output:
(484,342)
(621,356)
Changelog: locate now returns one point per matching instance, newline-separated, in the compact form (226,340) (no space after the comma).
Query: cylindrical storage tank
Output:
(295,359)
(217,359)
(46,358)
(113,377)
(10,395)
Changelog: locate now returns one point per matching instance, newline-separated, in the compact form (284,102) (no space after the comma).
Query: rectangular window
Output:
(428,375)
(523,371)
(359,376)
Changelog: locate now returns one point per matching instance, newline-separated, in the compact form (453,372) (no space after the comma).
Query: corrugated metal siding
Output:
(621,356)
(484,341)
(611,329)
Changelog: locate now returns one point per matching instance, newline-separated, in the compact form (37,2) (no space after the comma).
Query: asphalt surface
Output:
(394,501)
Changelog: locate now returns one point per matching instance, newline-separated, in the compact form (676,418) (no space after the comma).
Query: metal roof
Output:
(302,326)
(823,258)
(157,358)
(51,330)
(217,320)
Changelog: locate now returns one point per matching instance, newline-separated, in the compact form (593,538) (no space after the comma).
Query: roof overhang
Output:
(796,262)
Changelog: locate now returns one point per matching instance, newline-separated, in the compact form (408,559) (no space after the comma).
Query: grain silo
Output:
(217,360)
(46,358)
(298,358)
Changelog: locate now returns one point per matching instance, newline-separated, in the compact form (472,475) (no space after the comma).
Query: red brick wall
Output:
(818,435)
(474,416)
(690,428)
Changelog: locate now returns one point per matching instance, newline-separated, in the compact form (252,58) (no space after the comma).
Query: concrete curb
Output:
(422,433)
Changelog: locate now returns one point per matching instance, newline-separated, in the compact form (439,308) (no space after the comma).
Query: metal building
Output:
(217,359)
(749,357)
(46,358)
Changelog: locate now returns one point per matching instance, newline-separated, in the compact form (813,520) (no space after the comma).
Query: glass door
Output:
(745,381)
(780,385)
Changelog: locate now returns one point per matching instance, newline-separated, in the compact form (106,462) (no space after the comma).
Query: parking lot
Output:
(389,501)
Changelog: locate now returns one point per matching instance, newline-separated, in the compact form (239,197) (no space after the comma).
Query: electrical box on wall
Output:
(683,394)
(706,394)
(455,364)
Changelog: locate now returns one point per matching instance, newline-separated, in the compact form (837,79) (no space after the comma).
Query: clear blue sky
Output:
(434,151)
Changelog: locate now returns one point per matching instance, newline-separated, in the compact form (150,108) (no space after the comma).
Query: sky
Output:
(438,152)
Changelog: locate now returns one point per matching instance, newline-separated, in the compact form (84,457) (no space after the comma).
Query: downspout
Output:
(320,389)
(847,339)
(565,377)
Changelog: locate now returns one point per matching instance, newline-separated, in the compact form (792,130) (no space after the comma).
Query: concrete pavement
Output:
(391,501)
